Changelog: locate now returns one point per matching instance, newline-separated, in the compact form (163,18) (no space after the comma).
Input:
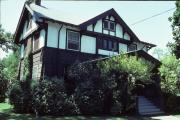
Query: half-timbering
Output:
(56,40)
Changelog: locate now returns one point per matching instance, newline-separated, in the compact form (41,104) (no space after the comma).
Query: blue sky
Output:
(156,30)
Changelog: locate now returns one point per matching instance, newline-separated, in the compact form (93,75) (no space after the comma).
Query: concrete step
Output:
(151,113)
(146,107)
(149,110)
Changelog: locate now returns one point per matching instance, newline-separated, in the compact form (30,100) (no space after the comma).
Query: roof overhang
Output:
(145,55)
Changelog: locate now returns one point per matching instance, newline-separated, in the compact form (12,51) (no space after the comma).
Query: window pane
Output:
(115,46)
(112,26)
(132,48)
(104,44)
(110,45)
(73,40)
(73,46)
(106,24)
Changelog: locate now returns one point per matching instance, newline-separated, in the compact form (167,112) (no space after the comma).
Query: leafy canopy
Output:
(175,19)
(170,73)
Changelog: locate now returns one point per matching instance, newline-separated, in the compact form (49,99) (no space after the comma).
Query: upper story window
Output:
(73,40)
(109,25)
(132,47)
(109,45)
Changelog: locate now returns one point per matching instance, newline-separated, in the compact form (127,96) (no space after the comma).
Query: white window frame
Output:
(68,40)
(110,25)
(109,28)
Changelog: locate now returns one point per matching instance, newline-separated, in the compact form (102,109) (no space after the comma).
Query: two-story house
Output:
(56,39)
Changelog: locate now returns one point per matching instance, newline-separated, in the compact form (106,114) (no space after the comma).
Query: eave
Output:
(145,55)
(60,22)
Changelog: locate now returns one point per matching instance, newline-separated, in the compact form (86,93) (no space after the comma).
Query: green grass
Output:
(6,113)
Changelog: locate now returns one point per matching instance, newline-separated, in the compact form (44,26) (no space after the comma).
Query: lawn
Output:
(6,113)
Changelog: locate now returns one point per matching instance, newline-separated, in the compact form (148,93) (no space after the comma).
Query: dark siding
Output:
(56,60)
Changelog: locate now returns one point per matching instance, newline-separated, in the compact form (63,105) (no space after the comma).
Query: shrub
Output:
(20,96)
(109,81)
(49,97)
(172,103)
(90,101)
(3,83)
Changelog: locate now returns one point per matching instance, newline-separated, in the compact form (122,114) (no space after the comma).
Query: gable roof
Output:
(40,12)
(117,17)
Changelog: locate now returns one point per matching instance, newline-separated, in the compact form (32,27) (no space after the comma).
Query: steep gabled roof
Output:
(40,12)
(117,17)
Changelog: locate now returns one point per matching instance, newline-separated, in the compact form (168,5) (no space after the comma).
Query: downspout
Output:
(57,52)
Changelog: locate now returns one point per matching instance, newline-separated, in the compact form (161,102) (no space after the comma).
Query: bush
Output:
(108,84)
(20,96)
(172,103)
(90,101)
(49,97)
(3,83)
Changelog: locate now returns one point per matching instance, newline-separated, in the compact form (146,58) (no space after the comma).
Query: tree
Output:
(160,53)
(11,66)
(175,19)
(170,71)
(6,40)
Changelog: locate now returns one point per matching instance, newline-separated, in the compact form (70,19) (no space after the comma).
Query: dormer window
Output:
(109,25)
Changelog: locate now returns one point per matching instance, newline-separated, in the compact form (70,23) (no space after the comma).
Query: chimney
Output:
(37,2)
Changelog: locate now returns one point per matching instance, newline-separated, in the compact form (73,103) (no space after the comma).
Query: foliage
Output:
(6,40)
(20,96)
(27,68)
(172,103)
(106,86)
(49,97)
(175,19)
(160,53)
(138,68)
(3,83)
(170,71)
(11,66)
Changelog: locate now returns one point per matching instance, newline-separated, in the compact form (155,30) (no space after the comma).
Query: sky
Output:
(156,30)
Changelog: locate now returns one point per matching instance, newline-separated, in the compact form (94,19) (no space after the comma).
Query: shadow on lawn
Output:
(6,113)
(14,116)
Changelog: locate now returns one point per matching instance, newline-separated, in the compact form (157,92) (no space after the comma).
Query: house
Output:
(56,40)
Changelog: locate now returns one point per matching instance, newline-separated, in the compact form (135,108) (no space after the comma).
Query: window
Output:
(112,26)
(73,40)
(115,47)
(22,50)
(104,44)
(106,26)
(132,47)
(36,41)
(110,45)
(109,25)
